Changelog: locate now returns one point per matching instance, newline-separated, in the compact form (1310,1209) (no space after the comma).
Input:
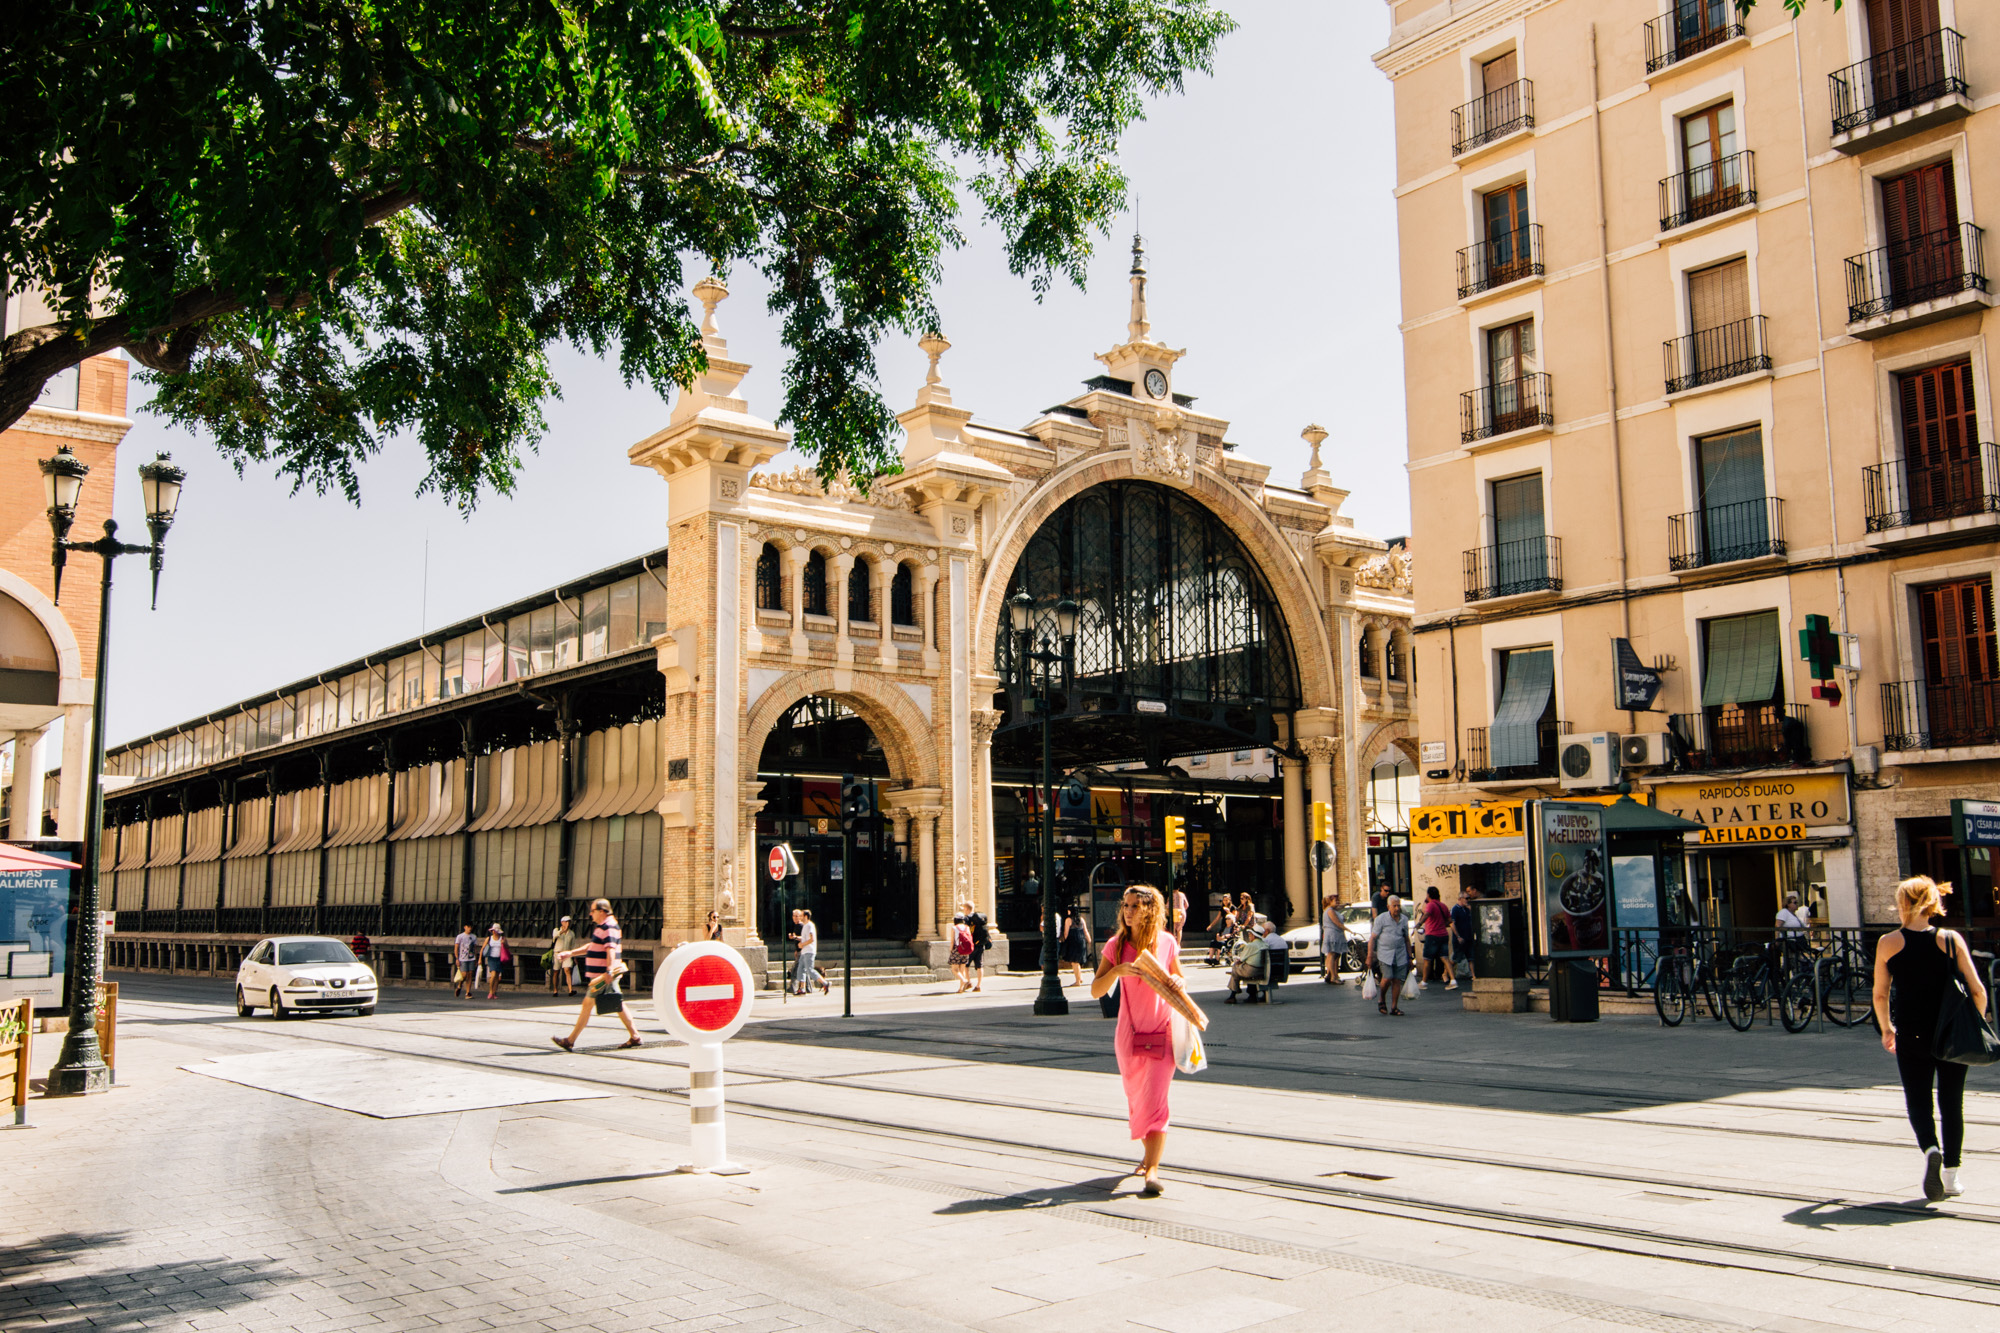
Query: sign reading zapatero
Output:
(1815,800)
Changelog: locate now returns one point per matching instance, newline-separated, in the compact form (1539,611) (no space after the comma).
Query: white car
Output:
(291,974)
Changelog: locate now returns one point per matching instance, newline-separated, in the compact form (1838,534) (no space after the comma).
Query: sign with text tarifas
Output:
(1816,800)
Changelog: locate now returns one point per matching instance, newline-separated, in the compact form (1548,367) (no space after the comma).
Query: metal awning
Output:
(1473,851)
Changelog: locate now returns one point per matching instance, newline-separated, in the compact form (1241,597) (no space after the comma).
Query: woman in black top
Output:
(714,928)
(1920,960)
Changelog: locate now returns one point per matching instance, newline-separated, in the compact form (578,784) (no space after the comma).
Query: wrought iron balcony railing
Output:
(1711,188)
(1479,762)
(1709,356)
(1895,80)
(1692,27)
(1914,270)
(1743,736)
(1505,257)
(1903,494)
(1718,534)
(1507,569)
(1940,714)
(1496,115)
(1506,405)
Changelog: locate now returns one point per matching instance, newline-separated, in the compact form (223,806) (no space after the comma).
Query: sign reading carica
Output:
(1435,823)
(1815,800)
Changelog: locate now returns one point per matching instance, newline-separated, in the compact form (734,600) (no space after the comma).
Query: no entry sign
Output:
(702,993)
(782,862)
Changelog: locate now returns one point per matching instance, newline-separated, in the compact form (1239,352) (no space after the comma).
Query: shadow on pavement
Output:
(1083,1191)
(52,1282)
(1820,1216)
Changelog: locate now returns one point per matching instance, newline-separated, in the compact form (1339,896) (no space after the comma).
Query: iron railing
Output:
(1502,258)
(1478,759)
(1743,736)
(1709,356)
(1718,534)
(1915,269)
(1939,714)
(1694,26)
(1902,494)
(1506,405)
(1706,190)
(1506,569)
(1895,80)
(1497,114)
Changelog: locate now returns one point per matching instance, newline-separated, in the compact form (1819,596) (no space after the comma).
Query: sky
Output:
(1264,195)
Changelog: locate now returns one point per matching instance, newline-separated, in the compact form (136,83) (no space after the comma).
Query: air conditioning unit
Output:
(1588,759)
(1645,749)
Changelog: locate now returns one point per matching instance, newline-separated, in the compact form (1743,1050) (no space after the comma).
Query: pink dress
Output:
(1141,1010)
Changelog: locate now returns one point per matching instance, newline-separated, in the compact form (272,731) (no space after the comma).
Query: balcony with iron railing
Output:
(1500,259)
(1708,190)
(1500,114)
(1949,713)
(1904,494)
(1916,280)
(1479,763)
(1512,569)
(1710,356)
(1899,91)
(1742,736)
(1506,406)
(1689,30)
(1725,533)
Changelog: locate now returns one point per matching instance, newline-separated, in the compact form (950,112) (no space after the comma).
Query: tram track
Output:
(1601,1234)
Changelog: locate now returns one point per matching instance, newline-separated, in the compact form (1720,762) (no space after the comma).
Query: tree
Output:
(320,222)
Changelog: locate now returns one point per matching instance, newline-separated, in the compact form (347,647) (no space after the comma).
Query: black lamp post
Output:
(1033,688)
(80,1067)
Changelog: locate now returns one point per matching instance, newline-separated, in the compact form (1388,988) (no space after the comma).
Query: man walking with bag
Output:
(465,961)
(601,970)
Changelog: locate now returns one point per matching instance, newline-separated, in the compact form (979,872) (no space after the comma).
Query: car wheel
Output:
(365,1011)
(277,1006)
(243,1007)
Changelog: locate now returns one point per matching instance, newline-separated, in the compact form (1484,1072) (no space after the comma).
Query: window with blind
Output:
(1941,465)
(1526,708)
(1741,659)
(1729,473)
(1520,546)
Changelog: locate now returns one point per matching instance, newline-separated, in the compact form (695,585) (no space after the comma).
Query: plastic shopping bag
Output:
(1369,990)
(1189,1055)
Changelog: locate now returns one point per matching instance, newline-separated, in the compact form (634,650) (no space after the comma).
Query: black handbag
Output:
(1963,1035)
(609,1001)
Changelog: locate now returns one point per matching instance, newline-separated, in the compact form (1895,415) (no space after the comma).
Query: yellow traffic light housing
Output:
(1176,834)
(1319,821)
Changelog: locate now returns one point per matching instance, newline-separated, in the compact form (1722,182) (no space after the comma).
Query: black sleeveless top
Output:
(1921,971)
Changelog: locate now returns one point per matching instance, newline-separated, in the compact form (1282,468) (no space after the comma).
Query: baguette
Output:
(1162,981)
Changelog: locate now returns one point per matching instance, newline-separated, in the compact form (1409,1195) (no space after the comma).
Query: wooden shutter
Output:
(1955,621)
(1893,23)
(1919,202)
(1719,295)
(1940,440)
(1499,72)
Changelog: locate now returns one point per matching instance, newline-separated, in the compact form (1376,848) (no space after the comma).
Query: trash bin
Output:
(1500,942)
(1573,991)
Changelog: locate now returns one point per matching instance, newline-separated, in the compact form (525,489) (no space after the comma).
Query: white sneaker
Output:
(1451,985)
(1952,1189)
(1933,1174)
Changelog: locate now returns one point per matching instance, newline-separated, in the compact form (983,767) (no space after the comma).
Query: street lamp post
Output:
(1035,686)
(80,1067)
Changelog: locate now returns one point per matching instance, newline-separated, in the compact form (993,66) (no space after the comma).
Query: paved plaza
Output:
(946,1162)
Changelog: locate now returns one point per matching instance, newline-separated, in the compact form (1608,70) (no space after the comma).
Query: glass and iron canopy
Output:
(1179,645)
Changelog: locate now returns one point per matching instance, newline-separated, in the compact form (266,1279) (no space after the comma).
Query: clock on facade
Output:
(1156,383)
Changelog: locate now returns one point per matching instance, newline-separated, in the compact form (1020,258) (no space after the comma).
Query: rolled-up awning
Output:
(1473,851)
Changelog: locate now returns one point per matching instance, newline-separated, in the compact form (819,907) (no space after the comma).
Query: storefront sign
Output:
(1501,819)
(1815,800)
(1570,878)
(1975,823)
(35,907)
(1735,833)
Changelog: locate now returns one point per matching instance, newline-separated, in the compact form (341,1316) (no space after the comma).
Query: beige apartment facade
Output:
(1696,320)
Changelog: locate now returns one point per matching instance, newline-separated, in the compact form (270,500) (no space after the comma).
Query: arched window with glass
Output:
(861,592)
(902,597)
(770,579)
(815,584)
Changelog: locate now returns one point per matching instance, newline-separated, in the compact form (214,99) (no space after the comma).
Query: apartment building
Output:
(1696,319)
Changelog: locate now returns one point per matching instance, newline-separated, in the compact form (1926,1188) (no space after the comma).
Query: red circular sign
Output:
(777,863)
(709,993)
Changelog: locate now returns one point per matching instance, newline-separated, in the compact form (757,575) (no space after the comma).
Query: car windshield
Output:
(313,951)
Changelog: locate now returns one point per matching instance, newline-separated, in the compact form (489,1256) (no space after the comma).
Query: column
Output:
(30,763)
(843,647)
(750,878)
(797,557)
(984,723)
(71,810)
(1319,770)
(927,817)
(927,579)
(1299,881)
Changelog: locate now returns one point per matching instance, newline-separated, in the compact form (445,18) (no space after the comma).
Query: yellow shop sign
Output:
(1736,833)
(1501,819)
(1814,799)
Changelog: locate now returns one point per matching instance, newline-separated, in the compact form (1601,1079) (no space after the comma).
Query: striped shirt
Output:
(605,941)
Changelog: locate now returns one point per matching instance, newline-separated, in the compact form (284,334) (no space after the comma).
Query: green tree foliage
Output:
(321,222)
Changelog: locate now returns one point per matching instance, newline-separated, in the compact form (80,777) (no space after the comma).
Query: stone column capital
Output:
(1319,749)
(985,721)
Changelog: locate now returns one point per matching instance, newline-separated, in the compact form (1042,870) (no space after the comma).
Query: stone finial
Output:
(1314,435)
(711,293)
(935,345)
(1140,327)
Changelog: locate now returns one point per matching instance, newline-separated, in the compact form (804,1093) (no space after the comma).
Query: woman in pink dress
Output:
(1144,1043)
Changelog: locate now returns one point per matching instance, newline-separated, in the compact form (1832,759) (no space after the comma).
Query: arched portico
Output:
(45,641)
(906,734)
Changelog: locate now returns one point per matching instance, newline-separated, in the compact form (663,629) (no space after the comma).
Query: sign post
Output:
(702,996)
(783,863)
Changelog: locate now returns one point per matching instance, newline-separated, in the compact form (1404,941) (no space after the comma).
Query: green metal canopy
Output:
(1626,815)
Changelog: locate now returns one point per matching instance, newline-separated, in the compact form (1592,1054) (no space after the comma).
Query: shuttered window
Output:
(1894,23)
(1956,622)
(1497,73)
(1517,510)
(1718,295)
(1527,698)
(1918,203)
(1742,660)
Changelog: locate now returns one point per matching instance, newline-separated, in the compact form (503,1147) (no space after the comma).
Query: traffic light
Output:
(1176,834)
(857,803)
(1320,820)
(1821,651)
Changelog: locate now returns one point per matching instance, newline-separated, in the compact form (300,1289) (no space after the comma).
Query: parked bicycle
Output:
(1753,977)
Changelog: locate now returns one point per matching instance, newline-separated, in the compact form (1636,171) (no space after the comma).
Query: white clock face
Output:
(1156,383)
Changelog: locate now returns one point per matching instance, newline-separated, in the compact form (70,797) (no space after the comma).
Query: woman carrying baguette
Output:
(1144,1041)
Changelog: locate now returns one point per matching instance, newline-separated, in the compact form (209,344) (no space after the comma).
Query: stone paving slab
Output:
(386,1087)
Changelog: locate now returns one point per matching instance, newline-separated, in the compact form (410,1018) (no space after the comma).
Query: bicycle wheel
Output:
(1849,998)
(1672,995)
(1795,1000)
(1742,995)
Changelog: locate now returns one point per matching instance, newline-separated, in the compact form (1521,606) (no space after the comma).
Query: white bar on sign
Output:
(696,994)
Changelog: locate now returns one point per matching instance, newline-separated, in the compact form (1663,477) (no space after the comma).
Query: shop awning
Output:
(1513,741)
(1626,815)
(1473,851)
(1742,660)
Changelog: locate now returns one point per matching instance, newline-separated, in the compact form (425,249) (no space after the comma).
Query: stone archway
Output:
(908,740)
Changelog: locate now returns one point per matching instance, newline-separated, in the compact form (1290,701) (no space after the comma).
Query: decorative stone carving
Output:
(985,721)
(958,525)
(802,480)
(729,488)
(1389,572)
(1319,749)
(1158,451)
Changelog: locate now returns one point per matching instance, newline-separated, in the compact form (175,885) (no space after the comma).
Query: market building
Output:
(649,732)
(1696,326)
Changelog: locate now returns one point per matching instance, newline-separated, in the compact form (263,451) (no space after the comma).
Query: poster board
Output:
(37,927)
(1570,885)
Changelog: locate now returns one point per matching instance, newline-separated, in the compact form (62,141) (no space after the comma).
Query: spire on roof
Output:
(1140,327)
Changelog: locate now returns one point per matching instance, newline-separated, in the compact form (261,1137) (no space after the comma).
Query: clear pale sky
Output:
(1264,195)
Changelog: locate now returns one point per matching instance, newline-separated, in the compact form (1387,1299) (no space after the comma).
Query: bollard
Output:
(708,1132)
(702,995)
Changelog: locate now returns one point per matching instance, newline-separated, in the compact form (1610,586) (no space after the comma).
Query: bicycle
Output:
(1847,985)
(1686,977)
(1753,976)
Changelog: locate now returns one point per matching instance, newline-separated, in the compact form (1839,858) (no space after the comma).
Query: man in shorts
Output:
(982,939)
(465,961)
(601,968)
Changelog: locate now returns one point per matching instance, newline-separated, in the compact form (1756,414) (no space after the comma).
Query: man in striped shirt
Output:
(601,969)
